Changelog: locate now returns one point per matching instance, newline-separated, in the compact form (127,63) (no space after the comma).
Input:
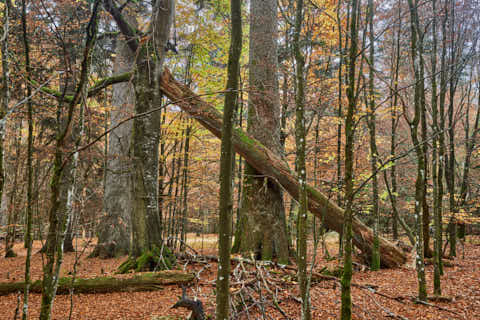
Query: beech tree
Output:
(115,225)
(109,124)
(146,227)
(262,214)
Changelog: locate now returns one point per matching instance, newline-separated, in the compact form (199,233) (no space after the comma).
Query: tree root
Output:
(155,259)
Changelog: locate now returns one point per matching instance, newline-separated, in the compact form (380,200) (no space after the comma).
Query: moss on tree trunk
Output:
(273,166)
(155,259)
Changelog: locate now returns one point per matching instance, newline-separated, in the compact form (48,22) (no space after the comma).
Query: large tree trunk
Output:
(145,219)
(271,165)
(263,223)
(146,222)
(114,228)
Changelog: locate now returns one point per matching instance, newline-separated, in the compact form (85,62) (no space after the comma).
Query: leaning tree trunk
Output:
(114,228)
(271,165)
(263,223)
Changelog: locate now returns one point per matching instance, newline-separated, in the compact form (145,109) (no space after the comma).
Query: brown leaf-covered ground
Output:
(395,288)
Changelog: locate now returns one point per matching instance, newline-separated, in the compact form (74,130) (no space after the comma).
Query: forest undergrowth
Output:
(258,291)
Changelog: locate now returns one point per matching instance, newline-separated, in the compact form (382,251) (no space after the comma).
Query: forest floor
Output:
(386,294)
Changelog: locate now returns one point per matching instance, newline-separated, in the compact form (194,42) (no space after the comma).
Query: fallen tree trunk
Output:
(273,166)
(266,162)
(143,282)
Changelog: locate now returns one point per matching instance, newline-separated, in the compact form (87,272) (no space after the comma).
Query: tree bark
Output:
(226,164)
(12,209)
(436,167)
(346,294)
(416,50)
(145,218)
(29,210)
(185,169)
(339,125)
(373,140)
(394,123)
(69,183)
(274,167)
(450,160)
(146,227)
(145,140)
(114,227)
(5,99)
(264,230)
(300,136)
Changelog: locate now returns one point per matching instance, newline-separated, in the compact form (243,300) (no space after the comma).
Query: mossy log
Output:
(142,282)
(149,261)
(271,165)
